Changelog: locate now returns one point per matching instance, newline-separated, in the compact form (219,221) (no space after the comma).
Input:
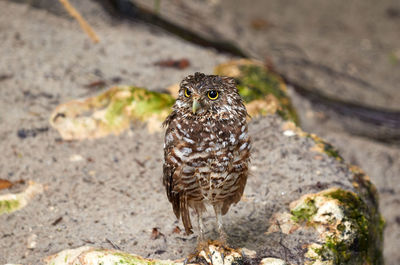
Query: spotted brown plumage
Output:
(207,148)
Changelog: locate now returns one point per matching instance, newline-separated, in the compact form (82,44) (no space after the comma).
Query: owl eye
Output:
(188,93)
(213,95)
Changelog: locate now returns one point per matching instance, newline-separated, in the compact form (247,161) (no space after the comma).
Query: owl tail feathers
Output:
(184,212)
(181,210)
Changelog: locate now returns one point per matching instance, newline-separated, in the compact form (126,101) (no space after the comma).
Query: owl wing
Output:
(172,176)
(170,168)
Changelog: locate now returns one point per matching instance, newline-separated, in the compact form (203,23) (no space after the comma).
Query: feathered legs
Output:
(200,225)
(218,215)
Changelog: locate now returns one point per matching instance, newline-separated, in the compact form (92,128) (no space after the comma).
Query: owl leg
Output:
(202,245)
(218,215)
(200,225)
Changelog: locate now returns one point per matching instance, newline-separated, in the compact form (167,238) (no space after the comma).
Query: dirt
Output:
(48,60)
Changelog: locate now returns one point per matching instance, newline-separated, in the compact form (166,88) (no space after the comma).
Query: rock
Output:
(263,91)
(11,202)
(342,79)
(115,110)
(272,261)
(89,255)
(112,111)
(378,159)
(342,221)
(300,48)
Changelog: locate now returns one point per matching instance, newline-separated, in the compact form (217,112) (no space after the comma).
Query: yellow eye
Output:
(188,93)
(213,95)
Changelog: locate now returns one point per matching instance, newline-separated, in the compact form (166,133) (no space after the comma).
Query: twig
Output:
(113,244)
(82,22)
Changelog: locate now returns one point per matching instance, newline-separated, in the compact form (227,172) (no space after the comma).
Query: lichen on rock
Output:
(11,202)
(216,255)
(263,91)
(347,230)
(9,205)
(89,255)
(111,112)
(273,261)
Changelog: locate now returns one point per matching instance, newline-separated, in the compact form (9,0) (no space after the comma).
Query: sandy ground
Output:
(47,60)
(114,196)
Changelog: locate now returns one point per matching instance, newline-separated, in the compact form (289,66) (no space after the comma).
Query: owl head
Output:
(203,95)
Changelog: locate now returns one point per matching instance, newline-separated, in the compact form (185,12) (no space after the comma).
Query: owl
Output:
(206,150)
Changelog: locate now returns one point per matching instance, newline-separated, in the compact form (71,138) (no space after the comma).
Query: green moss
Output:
(354,239)
(393,59)
(331,151)
(369,194)
(326,147)
(361,247)
(303,212)
(256,82)
(147,103)
(337,251)
(128,259)
(381,226)
(114,111)
(8,206)
(144,104)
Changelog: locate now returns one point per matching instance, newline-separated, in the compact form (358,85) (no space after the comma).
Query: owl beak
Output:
(196,105)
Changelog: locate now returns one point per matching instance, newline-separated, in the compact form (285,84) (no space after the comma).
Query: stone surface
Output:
(89,255)
(121,107)
(11,202)
(263,91)
(346,51)
(380,160)
(356,77)
(215,255)
(111,112)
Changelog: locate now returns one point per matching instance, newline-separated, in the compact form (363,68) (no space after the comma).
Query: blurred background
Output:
(340,59)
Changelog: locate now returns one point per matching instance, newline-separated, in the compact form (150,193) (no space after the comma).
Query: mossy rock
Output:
(11,202)
(348,222)
(88,255)
(8,206)
(114,110)
(263,91)
(111,112)
(345,225)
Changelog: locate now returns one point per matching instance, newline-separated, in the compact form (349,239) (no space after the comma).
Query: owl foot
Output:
(222,247)
(214,252)
(201,249)
(203,246)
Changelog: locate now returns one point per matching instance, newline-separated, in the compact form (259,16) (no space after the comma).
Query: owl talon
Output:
(210,257)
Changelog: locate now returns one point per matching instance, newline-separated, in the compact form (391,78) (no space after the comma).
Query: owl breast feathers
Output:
(207,147)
